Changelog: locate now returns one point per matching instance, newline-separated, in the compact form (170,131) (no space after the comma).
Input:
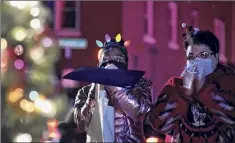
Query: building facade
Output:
(156,32)
(153,27)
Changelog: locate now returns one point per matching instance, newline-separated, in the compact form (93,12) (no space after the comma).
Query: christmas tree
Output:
(29,52)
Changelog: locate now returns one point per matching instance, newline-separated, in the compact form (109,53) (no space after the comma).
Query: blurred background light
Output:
(15,95)
(3,43)
(52,135)
(19,33)
(46,107)
(35,23)
(3,61)
(52,123)
(19,64)
(32,3)
(35,11)
(18,4)
(19,50)
(27,105)
(20,138)
(14,3)
(23,102)
(23,4)
(47,42)
(33,95)
(37,54)
(152,140)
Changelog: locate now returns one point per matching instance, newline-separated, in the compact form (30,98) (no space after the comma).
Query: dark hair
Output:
(207,38)
(120,45)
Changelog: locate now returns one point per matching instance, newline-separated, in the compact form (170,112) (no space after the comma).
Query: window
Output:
(67,18)
(173,9)
(69,15)
(195,18)
(148,22)
(219,30)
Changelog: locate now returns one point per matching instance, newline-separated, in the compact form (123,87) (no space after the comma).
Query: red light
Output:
(52,123)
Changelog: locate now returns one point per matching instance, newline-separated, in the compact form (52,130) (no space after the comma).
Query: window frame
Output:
(59,30)
(173,42)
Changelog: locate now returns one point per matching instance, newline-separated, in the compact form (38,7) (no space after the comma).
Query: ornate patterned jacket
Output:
(130,106)
(208,118)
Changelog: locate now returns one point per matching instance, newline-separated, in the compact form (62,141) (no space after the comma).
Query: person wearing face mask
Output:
(198,106)
(130,105)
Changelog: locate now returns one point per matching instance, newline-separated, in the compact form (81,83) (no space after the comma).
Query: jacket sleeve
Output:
(83,108)
(222,101)
(165,113)
(135,102)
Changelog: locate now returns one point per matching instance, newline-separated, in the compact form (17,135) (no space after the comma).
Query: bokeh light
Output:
(23,4)
(152,140)
(27,138)
(19,50)
(19,64)
(52,123)
(35,23)
(19,33)
(47,42)
(53,135)
(46,107)
(15,95)
(3,43)
(32,3)
(3,70)
(29,107)
(19,4)
(35,11)
(23,102)
(4,60)
(33,95)
(37,54)
(13,3)
(39,103)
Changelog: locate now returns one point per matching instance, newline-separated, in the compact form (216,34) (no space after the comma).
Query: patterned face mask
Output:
(200,67)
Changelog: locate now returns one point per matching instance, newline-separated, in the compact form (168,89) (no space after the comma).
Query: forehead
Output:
(112,51)
(195,49)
